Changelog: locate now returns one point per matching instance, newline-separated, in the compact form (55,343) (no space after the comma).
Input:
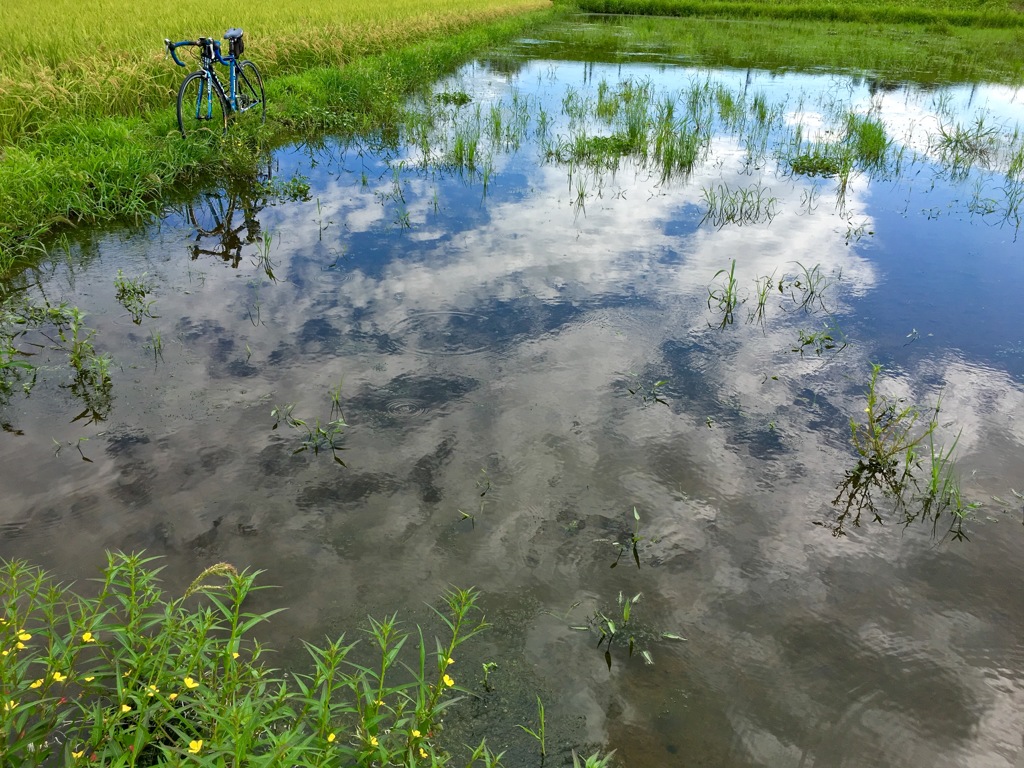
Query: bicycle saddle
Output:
(233,34)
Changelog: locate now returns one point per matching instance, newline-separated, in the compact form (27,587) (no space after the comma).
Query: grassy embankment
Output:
(87,126)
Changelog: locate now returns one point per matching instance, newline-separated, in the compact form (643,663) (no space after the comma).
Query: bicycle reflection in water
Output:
(223,222)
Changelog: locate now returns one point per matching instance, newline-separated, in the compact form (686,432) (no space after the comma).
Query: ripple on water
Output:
(442,333)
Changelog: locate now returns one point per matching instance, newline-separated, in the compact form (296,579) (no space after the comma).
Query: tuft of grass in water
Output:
(739,206)
(725,295)
(131,293)
(891,465)
(317,436)
(962,147)
(868,141)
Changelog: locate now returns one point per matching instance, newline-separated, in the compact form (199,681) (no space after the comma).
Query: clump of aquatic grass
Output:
(826,159)
(317,436)
(961,147)
(868,140)
(724,296)
(131,293)
(762,288)
(739,206)
(618,626)
(808,286)
(892,465)
(825,339)
(132,676)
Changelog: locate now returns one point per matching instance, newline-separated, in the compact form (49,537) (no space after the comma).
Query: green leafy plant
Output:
(891,464)
(129,676)
(131,293)
(540,734)
(725,295)
(621,628)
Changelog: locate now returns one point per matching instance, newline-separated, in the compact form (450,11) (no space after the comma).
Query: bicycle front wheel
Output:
(249,90)
(200,105)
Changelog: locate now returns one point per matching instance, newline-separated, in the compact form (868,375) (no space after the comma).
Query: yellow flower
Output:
(235,655)
(190,683)
(36,684)
(173,696)
(59,678)
(126,708)
(373,741)
(89,679)
(448,681)
(195,746)
(19,646)
(77,755)
(423,753)
(450,661)
(88,638)
(8,706)
(151,690)
(330,738)
(24,637)
(415,733)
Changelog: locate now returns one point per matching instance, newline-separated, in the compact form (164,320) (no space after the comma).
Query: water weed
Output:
(132,293)
(739,206)
(723,297)
(893,466)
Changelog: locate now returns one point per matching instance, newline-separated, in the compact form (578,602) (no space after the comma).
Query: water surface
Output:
(498,331)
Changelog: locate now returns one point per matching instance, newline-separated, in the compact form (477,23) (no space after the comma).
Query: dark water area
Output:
(526,349)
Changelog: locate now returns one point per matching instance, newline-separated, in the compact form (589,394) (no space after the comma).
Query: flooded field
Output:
(588,337)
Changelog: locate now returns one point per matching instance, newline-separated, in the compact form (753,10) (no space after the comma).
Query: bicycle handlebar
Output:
(202,42)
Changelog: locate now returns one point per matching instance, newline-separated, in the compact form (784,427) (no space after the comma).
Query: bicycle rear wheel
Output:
(200,105)
(249,90)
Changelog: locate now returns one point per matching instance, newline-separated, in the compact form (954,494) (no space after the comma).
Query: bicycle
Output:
(202,97)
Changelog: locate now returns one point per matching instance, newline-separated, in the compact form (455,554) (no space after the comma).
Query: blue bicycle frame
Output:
(212,101)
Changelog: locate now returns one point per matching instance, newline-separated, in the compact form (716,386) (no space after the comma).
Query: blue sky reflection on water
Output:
(491,340)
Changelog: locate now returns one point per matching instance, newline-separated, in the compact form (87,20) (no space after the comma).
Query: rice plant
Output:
(724,296)
(741,206)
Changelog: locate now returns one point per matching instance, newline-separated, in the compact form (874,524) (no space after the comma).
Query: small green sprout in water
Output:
(622,629)
(539,734)
(131,294)
(648,394)
(318,436)
(488,667)
(593,761)
(724,296)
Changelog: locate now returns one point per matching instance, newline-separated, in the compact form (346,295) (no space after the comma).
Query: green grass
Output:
(997,13)
(880,48)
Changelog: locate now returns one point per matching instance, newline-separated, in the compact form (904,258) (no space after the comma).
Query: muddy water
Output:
(499,347)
